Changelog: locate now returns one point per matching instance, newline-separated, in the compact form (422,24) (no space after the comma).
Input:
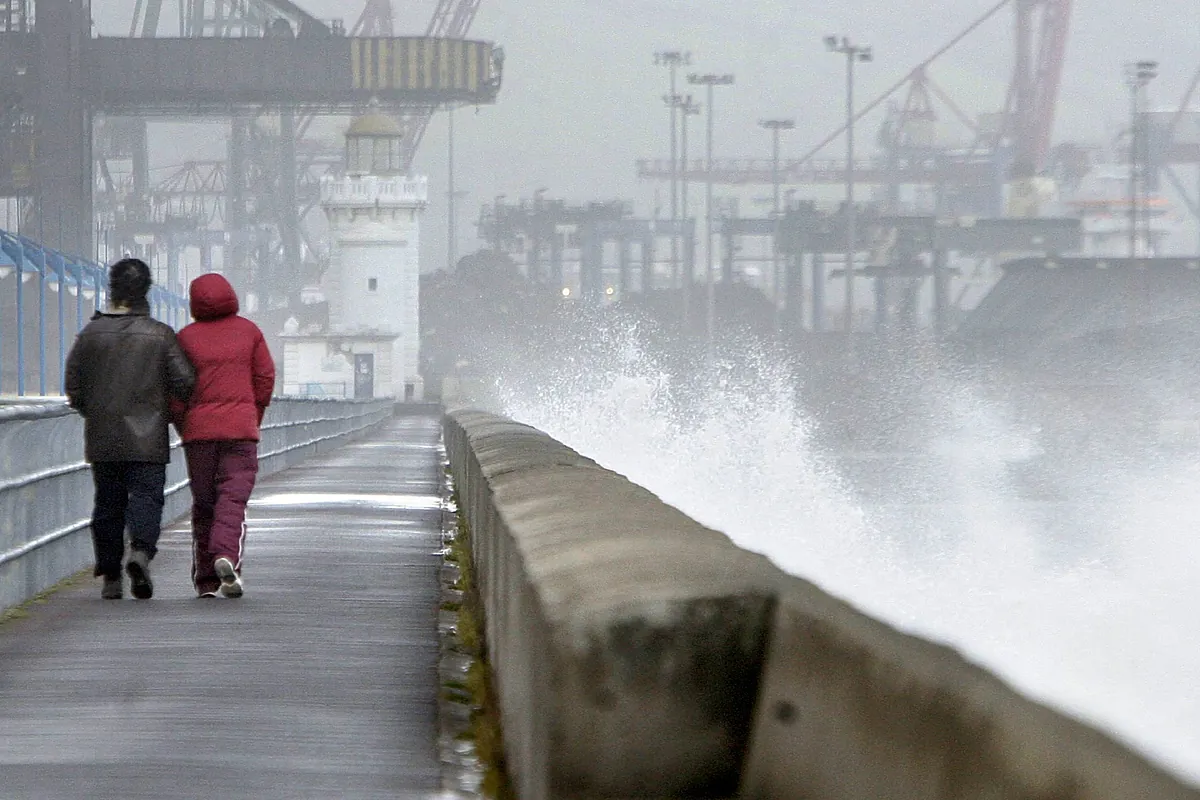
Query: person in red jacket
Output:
(220,429)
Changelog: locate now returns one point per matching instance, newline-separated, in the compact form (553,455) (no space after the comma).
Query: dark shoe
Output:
(231,584)
(206,595)
(138,569)
(113,589)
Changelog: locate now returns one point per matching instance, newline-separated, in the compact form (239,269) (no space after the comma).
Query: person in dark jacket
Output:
(123,370)
(220,430)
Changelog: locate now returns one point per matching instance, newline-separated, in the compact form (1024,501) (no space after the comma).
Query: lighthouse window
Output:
(372,284)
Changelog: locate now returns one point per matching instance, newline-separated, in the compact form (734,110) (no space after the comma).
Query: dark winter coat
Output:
(234,371)
(121,374)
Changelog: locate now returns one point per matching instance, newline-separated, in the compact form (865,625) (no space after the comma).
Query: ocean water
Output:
(1083,595)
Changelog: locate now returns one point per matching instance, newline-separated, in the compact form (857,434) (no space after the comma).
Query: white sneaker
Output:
(231,584)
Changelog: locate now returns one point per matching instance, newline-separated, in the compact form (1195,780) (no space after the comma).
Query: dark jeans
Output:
(128,494)
(223,476)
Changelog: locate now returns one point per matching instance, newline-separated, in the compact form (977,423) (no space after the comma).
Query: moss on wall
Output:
(21,610)
(484,730)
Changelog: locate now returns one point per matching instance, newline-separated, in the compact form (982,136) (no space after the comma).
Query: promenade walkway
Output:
(320,683)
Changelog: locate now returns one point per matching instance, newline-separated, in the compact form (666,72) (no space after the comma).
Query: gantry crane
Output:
(223,18)
(259,204)
(1025,124)
(254,196)
(1052,54)
(451,20)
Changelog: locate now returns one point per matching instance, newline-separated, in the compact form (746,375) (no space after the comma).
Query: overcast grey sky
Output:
(581,99)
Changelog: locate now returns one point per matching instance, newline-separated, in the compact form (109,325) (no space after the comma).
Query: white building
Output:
(373,277)
(1102,203)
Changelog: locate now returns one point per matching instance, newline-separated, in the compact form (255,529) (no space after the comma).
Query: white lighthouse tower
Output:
(372,282)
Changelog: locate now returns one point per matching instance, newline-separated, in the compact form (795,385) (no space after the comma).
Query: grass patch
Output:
(457,696)
(21,610)
(16,612)
(479,686)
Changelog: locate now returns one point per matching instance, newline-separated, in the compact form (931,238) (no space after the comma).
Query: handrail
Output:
(371,418)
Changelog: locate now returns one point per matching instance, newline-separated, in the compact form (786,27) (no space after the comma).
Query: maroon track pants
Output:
(222,476)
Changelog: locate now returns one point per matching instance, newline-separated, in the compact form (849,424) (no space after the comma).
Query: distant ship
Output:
(1102,204)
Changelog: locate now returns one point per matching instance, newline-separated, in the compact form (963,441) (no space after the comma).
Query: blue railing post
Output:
(31,258)
(20,319)
(41,251)
(2,350)
(80,274)
(61,264)
(11,248)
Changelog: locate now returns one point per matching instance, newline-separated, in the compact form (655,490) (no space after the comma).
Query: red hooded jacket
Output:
(234,371)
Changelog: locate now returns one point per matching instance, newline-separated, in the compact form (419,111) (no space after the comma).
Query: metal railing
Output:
(821,171)
(371,190)
(337,391)
(46,297)
(46,487)
(16,16)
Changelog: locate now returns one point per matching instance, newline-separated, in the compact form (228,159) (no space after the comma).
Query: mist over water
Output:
(1081,591)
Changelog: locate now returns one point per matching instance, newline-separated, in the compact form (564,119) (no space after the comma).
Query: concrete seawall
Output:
(637,653)
(46,488)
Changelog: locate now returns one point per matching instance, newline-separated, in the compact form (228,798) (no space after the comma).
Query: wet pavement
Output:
(320,683)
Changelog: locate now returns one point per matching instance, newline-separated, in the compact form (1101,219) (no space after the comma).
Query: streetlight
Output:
(673,60)
(775,126)
(853,53)
(451,210)
(709,81)
(687,108)
(496,219)
(1137,76)
(534,265)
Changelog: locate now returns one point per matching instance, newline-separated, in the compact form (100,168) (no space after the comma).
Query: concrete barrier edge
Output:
(841,705)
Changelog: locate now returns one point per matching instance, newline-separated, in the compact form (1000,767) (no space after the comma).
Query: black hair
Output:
(129,282)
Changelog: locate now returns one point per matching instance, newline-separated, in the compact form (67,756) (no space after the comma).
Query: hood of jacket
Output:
(212,297)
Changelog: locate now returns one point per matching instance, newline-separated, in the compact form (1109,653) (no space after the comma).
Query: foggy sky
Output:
(582,97)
